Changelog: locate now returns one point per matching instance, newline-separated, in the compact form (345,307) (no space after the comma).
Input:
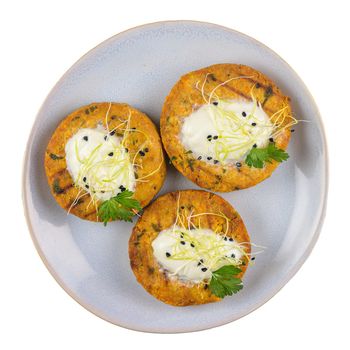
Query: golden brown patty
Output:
(145,135)
(161,215)
(185,96)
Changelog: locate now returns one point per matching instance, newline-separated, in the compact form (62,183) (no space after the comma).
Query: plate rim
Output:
(275,290)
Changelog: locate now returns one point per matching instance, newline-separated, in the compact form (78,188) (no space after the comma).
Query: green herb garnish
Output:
(257,157)
(121,207)
(223,281)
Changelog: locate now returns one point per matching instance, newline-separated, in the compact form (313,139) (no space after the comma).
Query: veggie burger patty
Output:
(226,127)
(189,247)
(104,151)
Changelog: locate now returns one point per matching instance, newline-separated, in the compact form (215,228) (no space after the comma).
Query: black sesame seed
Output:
(84,179)
(182,207)
(231,239)
(167,254)
(183,242)
(105,138)
(204,269)
(216,161)
(292,130)
(142,153)
(257,85)
(112,133)
(255,145)
(199,158)
(205,286)
(133,128)
(233,255)
(215,103)
(201,260)
(209,158)
(253,124)
(244,114)
(238,164)
(126,150)
(215,137)
(253,258)
(102,191)
(111,154)
(85,138)
(209,137)
(271,139)
(225,238)
(192,245)
(146,149)
(199,264)
(87,186)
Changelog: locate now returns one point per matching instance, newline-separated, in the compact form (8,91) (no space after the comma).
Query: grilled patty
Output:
(186,96)
(151,163)
(161,215)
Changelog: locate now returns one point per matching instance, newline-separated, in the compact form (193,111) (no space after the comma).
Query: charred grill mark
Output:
(268,94)
(89,213)
(78,202)
(54,156)
(157,226)
(257,84)
(245,96)
(139,235)
(59,173)
(67,187)
(56,187)
(212,77)
(236,91)
(218,179)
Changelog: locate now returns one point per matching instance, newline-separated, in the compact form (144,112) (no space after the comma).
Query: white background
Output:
(40,40)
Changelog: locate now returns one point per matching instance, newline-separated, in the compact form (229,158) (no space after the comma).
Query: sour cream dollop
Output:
(98,163)
(226,131)
(194,254)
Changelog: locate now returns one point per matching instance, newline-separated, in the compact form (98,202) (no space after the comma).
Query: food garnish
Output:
(121,207)
(257,157)
(223,281)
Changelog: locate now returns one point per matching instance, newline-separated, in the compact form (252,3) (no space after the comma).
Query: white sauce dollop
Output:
(226,131)
(194,254)
(99,163)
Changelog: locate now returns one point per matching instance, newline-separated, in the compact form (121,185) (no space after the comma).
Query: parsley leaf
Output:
(120,207)
(257,157)
(224,283)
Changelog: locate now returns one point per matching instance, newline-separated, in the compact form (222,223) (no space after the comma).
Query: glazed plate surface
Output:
(283,213)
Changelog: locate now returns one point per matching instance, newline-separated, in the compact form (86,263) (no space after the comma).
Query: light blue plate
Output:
(284,213)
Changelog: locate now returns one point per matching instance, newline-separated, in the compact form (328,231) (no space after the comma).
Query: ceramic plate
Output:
(284,213)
